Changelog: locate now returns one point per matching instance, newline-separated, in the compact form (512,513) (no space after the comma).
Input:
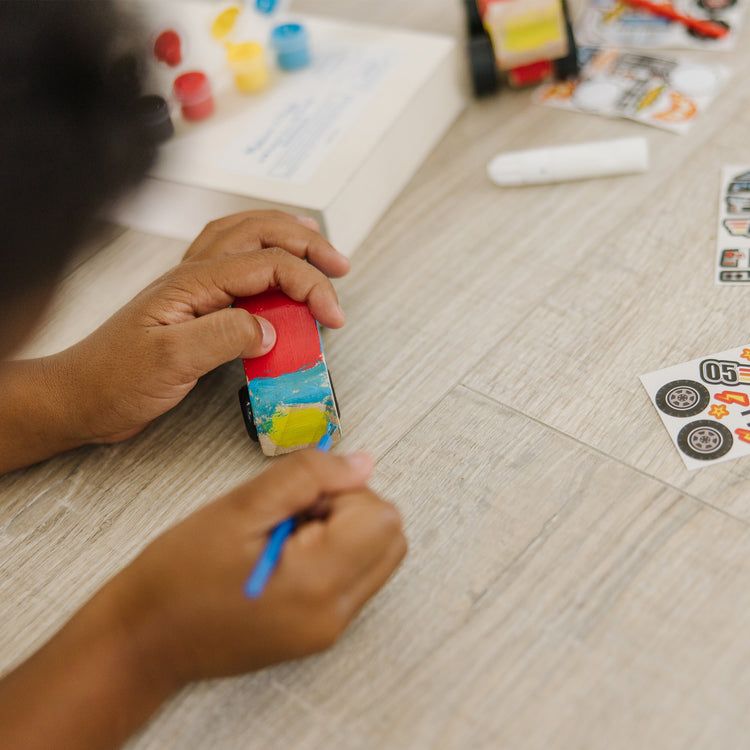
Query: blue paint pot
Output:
(291,44)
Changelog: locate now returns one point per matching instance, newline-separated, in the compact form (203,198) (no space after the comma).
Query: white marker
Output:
(577,162)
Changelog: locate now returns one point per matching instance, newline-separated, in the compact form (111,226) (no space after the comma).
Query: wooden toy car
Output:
(530,40)
(288,401)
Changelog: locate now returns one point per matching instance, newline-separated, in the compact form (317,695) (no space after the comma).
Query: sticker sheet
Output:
(615,23)
(705,406)
(733,233)
(655,91)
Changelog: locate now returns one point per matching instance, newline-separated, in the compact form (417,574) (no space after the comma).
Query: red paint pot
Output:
(193,91)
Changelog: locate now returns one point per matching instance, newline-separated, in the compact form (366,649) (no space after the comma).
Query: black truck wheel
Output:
(247,413)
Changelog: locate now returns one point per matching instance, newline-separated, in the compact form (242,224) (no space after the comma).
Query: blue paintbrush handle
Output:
(267,561)
(272,551)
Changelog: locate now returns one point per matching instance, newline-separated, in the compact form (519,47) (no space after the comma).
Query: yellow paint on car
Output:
(292,427)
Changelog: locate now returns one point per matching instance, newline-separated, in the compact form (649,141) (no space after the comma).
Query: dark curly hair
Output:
(70,135)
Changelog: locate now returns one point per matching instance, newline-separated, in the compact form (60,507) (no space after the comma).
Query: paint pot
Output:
(291,44)
(154,114)
(248,64)
(193,91)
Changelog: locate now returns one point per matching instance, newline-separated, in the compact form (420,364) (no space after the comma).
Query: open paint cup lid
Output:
(245,57)
(290,41)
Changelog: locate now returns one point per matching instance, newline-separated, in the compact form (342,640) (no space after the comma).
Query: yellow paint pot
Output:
(248,64)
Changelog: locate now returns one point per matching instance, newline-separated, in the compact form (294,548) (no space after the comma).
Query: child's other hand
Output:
(150,354)
(182,599)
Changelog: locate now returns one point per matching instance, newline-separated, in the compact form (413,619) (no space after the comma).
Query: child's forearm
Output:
(91,686)
(37,418)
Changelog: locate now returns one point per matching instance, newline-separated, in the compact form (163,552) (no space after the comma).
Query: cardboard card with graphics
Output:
(616,23)
(656,91)
(705,406)
(733,232)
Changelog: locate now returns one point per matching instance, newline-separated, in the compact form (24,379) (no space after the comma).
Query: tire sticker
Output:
(704,406)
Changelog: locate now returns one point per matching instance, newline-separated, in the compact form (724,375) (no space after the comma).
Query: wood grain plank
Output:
(619,624)
(641,300)
(250,712)
(552,597)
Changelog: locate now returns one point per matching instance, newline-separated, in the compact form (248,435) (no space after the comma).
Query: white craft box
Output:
(336,141)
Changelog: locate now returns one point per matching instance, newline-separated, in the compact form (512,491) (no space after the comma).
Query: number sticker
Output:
(717,371)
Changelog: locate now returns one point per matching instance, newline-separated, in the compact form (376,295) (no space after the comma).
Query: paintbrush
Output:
(258,579)
(701,26)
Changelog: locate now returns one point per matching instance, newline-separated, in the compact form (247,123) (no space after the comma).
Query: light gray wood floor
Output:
(569,584)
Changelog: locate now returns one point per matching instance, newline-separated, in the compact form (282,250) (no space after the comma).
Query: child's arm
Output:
(178,613)
(148,356)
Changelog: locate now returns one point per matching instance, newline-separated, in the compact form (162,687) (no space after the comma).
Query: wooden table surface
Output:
(569,584)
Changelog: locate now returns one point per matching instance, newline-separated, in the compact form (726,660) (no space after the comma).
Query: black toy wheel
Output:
(484,76)
(682,398)
(705,440)
(482,63)
(247,413)
(567,67)
(333,393)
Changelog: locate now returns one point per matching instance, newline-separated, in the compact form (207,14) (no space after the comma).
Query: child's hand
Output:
(253,230)
(178,612)
(149,355)
(183,599)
